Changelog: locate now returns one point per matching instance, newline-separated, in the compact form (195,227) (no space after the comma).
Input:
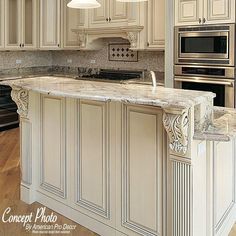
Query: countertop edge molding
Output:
(21,98)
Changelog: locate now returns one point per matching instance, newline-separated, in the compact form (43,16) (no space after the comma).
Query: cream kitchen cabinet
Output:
(21,24)
(194,12)
(50,24)
(111,13)
(2,27)
(71,19)
(140,188)
(156,24)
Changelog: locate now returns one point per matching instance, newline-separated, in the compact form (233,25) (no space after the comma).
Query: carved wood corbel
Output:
(176,123)
(21,98)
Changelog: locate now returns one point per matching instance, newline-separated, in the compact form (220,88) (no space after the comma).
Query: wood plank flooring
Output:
(10,189)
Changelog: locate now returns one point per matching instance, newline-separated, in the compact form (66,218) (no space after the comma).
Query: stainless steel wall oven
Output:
(210,45)
(205,60)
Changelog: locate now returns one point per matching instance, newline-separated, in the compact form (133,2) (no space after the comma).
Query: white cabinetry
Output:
(71,19)
(140,189)
(53,154)
(111,13)
(50,24)
(156,24)
(21,24)
(192,12)
(2,27)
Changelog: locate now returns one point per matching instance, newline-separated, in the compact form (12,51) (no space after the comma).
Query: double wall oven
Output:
(205,60)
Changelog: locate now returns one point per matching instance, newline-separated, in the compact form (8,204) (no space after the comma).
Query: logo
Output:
(38,223)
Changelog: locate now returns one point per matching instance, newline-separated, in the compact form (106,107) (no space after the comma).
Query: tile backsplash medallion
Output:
(149,60)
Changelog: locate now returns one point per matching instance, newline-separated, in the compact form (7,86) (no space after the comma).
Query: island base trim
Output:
(75,215)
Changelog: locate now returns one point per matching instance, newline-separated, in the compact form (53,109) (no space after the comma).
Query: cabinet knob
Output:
(204,20)
(58,45)
(200,20)
(23,44)
(148,44)
(20,45)
(109,19)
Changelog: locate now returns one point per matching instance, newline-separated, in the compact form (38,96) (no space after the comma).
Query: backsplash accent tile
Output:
(121,52)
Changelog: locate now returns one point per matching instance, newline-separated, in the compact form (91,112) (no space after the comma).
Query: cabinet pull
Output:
(23,44)
(20,45)
(200,20)
(148,44)
(204,20)
(109,19)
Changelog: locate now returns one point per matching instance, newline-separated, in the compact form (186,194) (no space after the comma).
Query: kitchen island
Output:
(126,159)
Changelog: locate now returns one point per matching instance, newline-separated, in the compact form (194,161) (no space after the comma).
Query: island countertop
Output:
(105,91)
(220,128)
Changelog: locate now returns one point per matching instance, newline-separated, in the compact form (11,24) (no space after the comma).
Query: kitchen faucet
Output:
(154,79)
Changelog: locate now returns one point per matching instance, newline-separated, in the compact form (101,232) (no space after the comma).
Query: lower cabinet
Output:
(140,171)
(222,188)
(53,160)
(106,161)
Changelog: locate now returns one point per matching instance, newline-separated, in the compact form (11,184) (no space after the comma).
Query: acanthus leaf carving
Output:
(177,127)
(21,98)
(132,36)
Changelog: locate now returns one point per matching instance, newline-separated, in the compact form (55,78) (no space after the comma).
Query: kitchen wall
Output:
(146,60)
(27,58)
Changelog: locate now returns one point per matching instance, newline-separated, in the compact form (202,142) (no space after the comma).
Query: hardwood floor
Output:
(10,190)
(10,194)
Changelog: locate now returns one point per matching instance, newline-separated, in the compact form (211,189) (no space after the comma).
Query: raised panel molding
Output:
(93,164)
(53,156)
(224,168)
(218,9)
(181,199)
(142,175)
(26,151)
(188,10)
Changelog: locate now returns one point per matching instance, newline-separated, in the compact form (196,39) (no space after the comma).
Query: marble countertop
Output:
(105,91)
(222,128)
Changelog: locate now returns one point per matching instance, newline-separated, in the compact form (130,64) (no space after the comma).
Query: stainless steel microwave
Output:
(205,45)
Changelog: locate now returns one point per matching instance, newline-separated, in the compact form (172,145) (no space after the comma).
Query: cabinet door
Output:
(50,24)
(53,154)
(72,19)
(156,24)
(141,178)
(188,12)
(99,17)
(219,11)
(30,22)
(13,24)
(93,161)
(2,13)
(118,13)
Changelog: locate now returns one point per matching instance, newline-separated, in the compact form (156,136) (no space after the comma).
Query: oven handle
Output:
(206,81)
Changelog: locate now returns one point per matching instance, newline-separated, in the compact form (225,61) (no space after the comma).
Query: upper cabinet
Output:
(193,12)
(111,13)
(50,24)
(21,24)
(72,18)
(156,24)
(2,24)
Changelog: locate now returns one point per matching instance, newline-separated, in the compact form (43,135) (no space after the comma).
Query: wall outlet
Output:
(18,61)
(69,61)
(93,61)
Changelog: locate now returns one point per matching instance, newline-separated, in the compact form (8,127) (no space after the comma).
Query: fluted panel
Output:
(181,199)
